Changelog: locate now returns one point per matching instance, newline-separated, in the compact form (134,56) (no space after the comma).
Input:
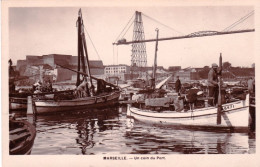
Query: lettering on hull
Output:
(228,107)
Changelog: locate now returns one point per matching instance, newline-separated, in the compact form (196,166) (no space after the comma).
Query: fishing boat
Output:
(233,115)
(52,106)
(104,95)
(17,103)
(21,137)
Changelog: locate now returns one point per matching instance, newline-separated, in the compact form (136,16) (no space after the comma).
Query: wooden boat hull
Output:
(51,106)
(16,103)
(235,115)
(21,138)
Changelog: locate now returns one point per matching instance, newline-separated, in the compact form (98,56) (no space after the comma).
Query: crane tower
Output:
(138,57)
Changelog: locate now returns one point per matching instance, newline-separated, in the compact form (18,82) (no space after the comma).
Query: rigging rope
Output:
(244,26)
(125,28)
(239,21)
(116,55)
(163,24)
(113,55)
(92,43)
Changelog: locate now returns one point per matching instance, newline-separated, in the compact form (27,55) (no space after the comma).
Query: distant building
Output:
(48,63)
(151,68)
(117,69)
(121,72)
(242,73)
(19,64)
(51,60)
(187,75)
(124,72)
(174,68)
(96,68)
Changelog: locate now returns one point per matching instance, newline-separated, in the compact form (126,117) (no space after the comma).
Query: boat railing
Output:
(58,92)
(107,95)
(18,98)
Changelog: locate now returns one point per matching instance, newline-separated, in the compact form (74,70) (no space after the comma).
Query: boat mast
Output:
(155,59)
(82,49)
(79,27)
(86,52)
(219,91)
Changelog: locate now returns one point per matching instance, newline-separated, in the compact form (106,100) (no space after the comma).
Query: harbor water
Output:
(111,131)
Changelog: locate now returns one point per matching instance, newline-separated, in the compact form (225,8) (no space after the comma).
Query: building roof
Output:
(96,64)
(117,65)
(188,69)
(92,63)
(33,57)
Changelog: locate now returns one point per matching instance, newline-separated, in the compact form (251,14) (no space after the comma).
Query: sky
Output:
(52,30)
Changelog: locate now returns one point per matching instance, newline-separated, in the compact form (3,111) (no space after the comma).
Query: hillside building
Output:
(47,65)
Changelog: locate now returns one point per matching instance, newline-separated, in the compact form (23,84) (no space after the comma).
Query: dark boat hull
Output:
(21,138)
(51,106)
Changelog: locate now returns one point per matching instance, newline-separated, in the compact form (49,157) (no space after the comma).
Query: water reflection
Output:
(156,139)
(81,127)
(111,131)
(87,128)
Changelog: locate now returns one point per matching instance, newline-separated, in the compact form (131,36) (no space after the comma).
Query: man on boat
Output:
(192,95)
(250,84)
(178,85)
(11,77)
(37,87)
(82,89)
(48,86)
(213,84)
(101,86)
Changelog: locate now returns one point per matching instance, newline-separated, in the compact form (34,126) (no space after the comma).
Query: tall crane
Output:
(138,56)
(228,30)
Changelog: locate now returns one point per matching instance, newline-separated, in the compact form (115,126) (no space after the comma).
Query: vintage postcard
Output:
(131,83)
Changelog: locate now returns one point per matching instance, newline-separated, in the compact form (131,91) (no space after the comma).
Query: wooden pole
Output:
(86,53)
(219,91)
(29,105)
(155,58)
(79,49)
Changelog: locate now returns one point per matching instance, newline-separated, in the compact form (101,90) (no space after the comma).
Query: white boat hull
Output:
(51,106)
(235,115)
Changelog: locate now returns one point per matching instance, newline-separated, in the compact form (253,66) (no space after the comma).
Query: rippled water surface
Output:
(110,131)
